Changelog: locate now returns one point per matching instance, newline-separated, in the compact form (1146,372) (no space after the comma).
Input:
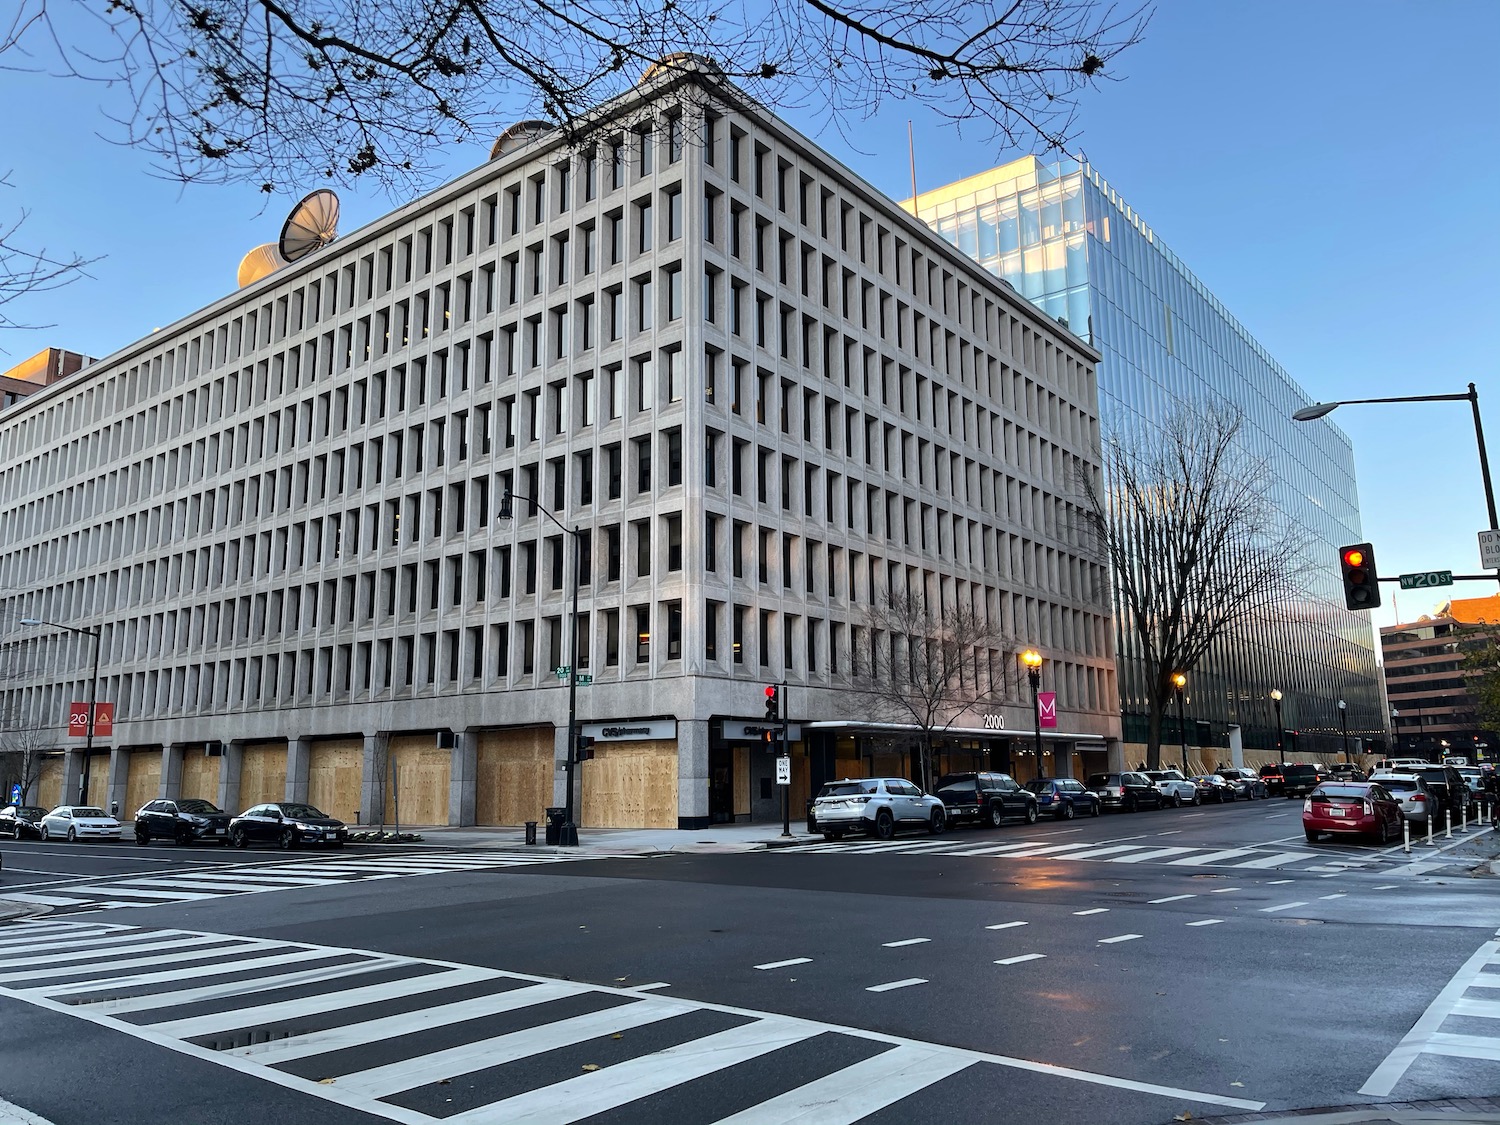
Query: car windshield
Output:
(199,807)
(87,811)
(1299,770)
(1104,779)
(300,811)
(1265,770)
(30,812)
(957,787)
(1354,791)
(1399,784)
(847,788)
(961,779)
(1039,786)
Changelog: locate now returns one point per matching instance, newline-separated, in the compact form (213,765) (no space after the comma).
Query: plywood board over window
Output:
(334,771)
(262,774)
(48,790)
(513,771)
(142,781)
(630,785)
(742,781)
(98,791)
(200,775)
(422,769)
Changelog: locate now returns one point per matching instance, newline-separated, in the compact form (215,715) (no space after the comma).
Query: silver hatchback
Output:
(874,805)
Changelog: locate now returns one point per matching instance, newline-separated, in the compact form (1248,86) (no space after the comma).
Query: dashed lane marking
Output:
(1118,938)
(790,961)
(1020,959)
(907,983)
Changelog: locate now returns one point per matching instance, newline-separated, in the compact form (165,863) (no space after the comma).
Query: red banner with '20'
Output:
(78,720)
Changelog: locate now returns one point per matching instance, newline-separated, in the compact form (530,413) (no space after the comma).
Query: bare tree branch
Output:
(25,270)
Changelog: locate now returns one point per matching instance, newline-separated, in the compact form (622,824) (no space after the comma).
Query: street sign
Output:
(1046,704)
(585,679)
(564,671)
(1489,550)
(1426,579)
(15,794)
(783,770)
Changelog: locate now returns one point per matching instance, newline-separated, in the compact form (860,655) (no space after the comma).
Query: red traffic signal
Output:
(1361,583)
(773,704)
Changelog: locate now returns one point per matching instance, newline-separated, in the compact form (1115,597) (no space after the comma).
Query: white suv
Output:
(1176,790)
(877,805)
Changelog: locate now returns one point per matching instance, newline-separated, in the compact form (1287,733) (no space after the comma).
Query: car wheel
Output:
(885,824)
(238,838)
(142,836)
(72,835)
(1177,800)
(1312,837)
(936,823)
(1130,804)
(287,840)
(1196,801)
(1031,814)
(1066,811)
(997,814)
(45,834)
(1094,808)
(183,837)
(828,836)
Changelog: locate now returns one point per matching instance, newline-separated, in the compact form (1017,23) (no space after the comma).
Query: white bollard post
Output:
(1448,819)
(1429,828)
(1465,827)
(1406,835)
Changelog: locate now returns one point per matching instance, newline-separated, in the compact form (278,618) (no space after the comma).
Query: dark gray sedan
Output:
(288,824)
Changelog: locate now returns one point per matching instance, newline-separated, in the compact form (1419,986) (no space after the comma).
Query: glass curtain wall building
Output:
(1062,237)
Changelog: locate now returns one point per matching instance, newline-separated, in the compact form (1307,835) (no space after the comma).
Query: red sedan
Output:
(1353,809)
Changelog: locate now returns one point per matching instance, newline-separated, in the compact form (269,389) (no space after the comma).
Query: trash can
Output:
(531,832)
(554,824)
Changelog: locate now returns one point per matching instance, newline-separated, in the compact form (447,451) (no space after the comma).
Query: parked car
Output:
(183,820)
(289,824)
(1271,775)
(22,820)
(1064,797)
(1177,789)
(1447,787)
(985,798)
(1212,787)
(1128,792)
(1347,771)
(1351,809)
(1300,778)
(1474,778)
(1411,791)
(874,805)
(1398,765)
(1247,781)
(79,822)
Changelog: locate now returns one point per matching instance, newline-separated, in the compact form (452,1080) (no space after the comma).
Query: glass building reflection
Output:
(1066,240)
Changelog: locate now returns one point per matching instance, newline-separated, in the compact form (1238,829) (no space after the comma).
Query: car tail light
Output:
(1420,797)
(1307,805)
(1369,807)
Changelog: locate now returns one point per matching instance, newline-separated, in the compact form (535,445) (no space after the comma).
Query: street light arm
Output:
(537,505)
(1319,409)
(58,625)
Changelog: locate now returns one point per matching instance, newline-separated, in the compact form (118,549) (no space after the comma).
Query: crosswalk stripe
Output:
(1113,850)
(857,1091)
(223,886)
(1488,1009)
(382,1081)
(91,941)
(157,896)
(994,849)
(41,899)
(407,1023)
(198,995)
(191,1026)
(1211,857)
(1464,1046)
(178,974)
(170,940)
(1274,860)
(1051,848)
(1154,853)
(614,1086)
(176,955)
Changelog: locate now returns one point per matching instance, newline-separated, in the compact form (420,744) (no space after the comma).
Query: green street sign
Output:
(1426,579)
(585,679)
(564,671)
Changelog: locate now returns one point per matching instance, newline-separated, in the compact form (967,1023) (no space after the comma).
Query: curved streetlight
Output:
(1033,661)
(88,744)
(1344,722)
(1179,681)
(1280,745)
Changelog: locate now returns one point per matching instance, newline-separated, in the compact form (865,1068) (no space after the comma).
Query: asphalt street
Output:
(1127,970)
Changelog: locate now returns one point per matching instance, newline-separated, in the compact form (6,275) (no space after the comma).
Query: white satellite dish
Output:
(312,225)
(261,262)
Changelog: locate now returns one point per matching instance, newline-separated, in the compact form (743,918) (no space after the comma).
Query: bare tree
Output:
(1184,512)
(25,270)
(928,667)
(278,92)
(21,750)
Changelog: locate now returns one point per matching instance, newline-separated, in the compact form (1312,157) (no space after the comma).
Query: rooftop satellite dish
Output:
(681,60)
(519,135)
(312,225)
(261,262)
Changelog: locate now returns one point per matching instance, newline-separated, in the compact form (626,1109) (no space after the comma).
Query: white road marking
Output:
(1338,894)
(1283,906)
(1389,887)
(1279,882)
(1005,925)
(1169,898)
(1210,858)
(178,973)
(1207,922)
(1226,890)
(649,987)
(907,983)
(1022,957)
(1274,860)
(1464,1046)
(1095,910)
(1118,937)
(785,964)
(1050,850)
(197,995)
(905,941)
(1274,815)
(1157,853)
(1104,851)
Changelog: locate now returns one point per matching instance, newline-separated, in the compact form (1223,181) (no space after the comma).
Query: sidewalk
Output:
(626,841)
(1454,1111)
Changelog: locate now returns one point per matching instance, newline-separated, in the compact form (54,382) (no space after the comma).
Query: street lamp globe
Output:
(1031,658)
(1179,681)
(31,621)
(1276,694)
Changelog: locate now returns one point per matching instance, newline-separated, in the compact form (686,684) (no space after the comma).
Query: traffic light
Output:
(773,704)
(1361,584)
(585,747)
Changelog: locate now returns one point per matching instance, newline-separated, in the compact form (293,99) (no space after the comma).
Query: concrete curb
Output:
(10,909)
(1453,1111)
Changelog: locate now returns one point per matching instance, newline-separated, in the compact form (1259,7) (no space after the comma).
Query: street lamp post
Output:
(88,743)
(1395,733)
(568,833)
(1033,661)
(1344,723)
(1280,730)
(1179,681)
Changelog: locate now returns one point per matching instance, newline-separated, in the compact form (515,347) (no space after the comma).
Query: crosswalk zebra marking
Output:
(903,1068)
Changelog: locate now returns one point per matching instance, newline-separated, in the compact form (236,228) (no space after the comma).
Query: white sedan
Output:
(79,822)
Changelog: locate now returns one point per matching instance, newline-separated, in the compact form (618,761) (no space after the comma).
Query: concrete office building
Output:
(763,393)
(1067,241)
(1432,712)
(31,375)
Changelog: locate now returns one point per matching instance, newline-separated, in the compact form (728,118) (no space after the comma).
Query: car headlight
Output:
(198,820)
(300,827)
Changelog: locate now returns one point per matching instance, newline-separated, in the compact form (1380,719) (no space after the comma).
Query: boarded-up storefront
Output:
(421,772)
(514,771)
(48,790)
(98,789)
(334,770)
(262,774)
(200,775)
(630,785)
(142,781)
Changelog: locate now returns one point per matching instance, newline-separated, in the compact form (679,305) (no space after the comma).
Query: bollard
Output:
(1429,828)
(1448,819)
(1406,835)
(1465,826)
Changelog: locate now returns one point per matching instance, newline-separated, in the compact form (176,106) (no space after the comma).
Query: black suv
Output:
(1446,785)
(1271,775)
(985,798)
(22,820)
(1126,791)
(184,821)
(1300,778)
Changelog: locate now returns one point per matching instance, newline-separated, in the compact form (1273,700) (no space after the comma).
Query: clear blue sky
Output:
(1329,170)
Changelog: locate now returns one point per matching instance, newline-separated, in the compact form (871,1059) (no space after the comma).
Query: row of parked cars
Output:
(1403,790)
(879,806)
(288,824)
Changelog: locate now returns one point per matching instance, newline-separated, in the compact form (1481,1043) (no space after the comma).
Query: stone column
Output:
(372,780)
(463,778)
(72,776)
(171,772)
(1116,752)
(229,778)
(692,774)
(119,780)
(298,759)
